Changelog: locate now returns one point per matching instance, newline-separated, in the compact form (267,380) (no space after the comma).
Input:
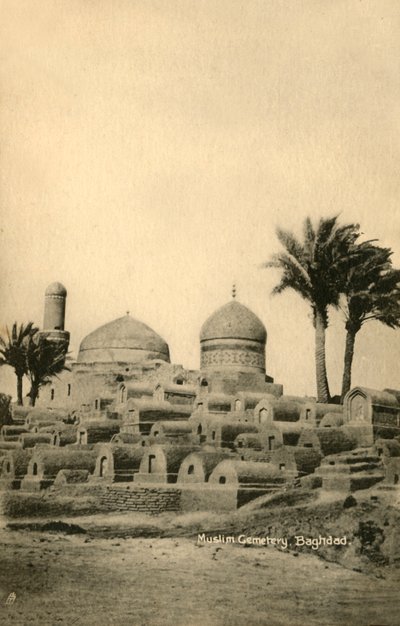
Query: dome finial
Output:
(128,312)
(234,291)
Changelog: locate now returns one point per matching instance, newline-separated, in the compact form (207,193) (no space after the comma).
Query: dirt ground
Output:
(84,580)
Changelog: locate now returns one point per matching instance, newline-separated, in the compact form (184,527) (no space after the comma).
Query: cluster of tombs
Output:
(252,440)
(136,419)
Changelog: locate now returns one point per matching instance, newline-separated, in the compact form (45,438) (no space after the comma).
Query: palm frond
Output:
(291,244)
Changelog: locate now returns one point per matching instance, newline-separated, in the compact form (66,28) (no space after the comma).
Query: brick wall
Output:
(186,497)
(144,499)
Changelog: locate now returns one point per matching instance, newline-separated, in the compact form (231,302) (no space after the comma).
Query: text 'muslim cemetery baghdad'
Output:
(143,434)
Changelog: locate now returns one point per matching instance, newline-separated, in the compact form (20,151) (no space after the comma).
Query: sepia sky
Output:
(150,148)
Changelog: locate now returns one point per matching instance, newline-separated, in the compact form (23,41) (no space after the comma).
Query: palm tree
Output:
(314,268)
(45,359)
(13,352)
(371,292)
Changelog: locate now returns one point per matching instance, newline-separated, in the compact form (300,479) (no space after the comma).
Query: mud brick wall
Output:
(151,500)
(154,500)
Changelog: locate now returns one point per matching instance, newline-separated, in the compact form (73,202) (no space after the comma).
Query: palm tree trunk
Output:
(348,360)
(33,394)
(20,400)
(323,394)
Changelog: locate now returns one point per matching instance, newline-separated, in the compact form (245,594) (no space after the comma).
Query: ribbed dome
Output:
(233,321)
(56,289)
(124,339)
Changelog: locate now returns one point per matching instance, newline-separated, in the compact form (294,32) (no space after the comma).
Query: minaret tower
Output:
(54,314)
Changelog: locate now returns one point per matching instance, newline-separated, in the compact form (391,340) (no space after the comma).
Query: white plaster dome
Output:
(125,340)
(233,321)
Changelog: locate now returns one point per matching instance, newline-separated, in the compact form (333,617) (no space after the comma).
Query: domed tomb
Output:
(123,340)
(233,337)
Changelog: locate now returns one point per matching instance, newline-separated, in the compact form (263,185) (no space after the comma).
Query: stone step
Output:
(352,475)
(389,487)
(350,482)
(358,467)
(370,458)
(361,467)
(367,478)
(346,460)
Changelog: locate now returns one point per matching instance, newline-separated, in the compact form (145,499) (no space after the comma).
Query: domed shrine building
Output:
(232,348)
(124,349)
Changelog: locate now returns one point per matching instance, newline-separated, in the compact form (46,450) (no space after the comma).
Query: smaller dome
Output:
(233,321)
(56,289)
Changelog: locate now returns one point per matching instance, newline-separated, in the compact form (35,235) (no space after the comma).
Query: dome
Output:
(123,340)
(56,289)
(233,321)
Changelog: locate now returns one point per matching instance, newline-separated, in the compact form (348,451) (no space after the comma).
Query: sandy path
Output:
(65,580)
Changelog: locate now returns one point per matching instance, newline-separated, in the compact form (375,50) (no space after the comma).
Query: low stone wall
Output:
(141,499)
(90,498)
(160,499)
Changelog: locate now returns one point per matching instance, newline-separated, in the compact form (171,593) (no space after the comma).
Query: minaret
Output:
(54,314)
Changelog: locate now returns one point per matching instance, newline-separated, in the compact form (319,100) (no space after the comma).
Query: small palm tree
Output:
(314,268)
(13,352)
(371,292)
(45,359)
